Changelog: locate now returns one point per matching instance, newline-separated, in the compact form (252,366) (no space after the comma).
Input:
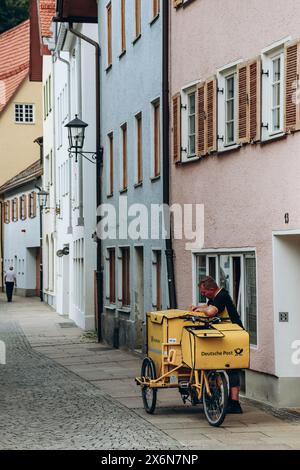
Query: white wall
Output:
(286,251)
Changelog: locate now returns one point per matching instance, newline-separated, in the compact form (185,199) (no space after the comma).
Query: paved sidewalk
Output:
(108,374)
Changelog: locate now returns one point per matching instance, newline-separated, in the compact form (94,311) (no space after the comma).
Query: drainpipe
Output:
(166,152)
(99,168)
(70,228)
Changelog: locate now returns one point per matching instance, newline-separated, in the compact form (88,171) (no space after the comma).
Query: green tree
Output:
(12,12)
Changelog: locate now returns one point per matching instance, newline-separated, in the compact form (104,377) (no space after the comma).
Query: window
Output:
(125,277)
(192,124)
(109,34)
(15,209)
(138,19)
(156,280)
(229,109)
(24,113)
(235,272)
(188,123)
(227,106)
(124,157)
(32,204)
(123,26)
(139,149)
(155,8)
(111,165)
(112,275)
(23,207)
(272,93)
(156,138)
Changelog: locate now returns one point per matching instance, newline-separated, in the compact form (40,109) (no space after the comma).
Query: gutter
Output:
(99,171)
(166,152)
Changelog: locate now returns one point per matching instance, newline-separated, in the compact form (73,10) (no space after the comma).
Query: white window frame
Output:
(138,116)
(242,253)
(268,56)
(222,75)
(23,113)
(185,92)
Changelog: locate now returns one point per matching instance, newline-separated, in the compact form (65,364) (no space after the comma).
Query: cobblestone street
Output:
(62,390)
(45,406)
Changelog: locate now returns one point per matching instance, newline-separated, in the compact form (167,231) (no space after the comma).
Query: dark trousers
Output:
(9,290)
(234,376)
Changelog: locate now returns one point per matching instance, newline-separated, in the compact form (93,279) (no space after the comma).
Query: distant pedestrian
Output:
(10,282)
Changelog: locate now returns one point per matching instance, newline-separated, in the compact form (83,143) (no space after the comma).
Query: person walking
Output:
(10,282)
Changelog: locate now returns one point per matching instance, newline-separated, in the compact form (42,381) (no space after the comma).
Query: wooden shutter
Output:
(201,120)
(211,115)
(16,209)
(255,100)
(292,98)
(177,3)
(34,204)
(177,127)
(243,103)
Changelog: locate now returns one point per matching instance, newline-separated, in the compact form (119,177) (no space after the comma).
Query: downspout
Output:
(166,152)
(99,168)
(70,228)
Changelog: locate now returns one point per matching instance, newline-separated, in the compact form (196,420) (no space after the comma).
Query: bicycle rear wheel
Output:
(216,404)
(149,394)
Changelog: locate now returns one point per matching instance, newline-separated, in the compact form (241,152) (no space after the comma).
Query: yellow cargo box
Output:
(222,346)
(165,328)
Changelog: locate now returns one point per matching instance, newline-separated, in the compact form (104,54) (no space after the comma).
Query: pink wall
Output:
(246,192)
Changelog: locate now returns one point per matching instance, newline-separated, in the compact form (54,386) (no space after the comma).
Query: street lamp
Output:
(43,197)
(76,132)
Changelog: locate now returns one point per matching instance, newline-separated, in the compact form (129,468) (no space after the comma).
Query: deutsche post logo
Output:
(238,351)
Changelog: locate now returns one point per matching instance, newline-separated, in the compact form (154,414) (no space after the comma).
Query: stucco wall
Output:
(247,192)
(130,86)
(17,147)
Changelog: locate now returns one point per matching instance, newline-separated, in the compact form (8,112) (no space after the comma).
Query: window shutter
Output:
(34,204)
(8,212)
(292,108)
(201,120)
(243,103)
(177,127)
(17,209)
(255,100)
(25,207)
(177,3)
(211,115)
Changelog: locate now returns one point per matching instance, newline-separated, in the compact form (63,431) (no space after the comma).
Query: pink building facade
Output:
(235,114)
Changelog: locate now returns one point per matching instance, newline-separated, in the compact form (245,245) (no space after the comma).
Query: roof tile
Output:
(14,61)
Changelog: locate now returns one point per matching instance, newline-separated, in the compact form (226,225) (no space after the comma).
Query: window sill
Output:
(154,19)
(110,307)
(136,39)
(109,196)
(122,191)
(124,309)
(229,148)
(189,160)
(122,54)
(155,178)
(108,68)
(274,138)
(138,185)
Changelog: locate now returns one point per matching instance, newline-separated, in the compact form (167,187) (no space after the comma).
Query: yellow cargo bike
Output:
(191,353)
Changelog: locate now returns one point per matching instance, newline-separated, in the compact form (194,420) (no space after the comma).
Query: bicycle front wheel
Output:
(149,394)
(216,404)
